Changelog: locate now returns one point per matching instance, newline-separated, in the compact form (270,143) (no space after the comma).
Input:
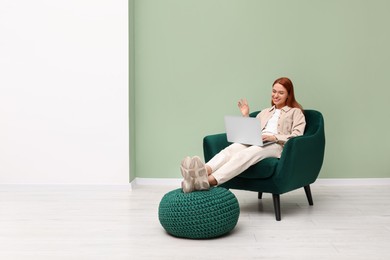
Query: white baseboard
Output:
(157,181)
(64,187)
(176,182)
(353,181)
(320,181)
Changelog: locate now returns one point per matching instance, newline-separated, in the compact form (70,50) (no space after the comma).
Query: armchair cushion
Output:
(262,170)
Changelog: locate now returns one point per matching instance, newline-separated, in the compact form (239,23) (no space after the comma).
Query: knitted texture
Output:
(199,214)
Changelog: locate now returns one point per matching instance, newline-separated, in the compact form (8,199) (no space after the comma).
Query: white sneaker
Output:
(199,174)
(187,171)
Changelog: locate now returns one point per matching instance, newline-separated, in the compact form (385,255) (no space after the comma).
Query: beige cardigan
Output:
(291,122)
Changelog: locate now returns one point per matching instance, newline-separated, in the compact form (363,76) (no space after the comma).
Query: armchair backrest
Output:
(314,122)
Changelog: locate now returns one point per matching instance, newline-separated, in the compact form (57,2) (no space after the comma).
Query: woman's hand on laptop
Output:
(269,138)
(243,106)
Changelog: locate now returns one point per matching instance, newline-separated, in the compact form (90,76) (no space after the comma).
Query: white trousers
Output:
(236,158)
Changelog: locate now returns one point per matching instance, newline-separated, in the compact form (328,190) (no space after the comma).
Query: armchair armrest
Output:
(301,161)
(213,144)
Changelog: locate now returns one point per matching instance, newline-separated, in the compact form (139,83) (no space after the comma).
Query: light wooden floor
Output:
(346,222)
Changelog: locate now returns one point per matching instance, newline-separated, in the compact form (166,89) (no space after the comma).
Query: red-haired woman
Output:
(282,121)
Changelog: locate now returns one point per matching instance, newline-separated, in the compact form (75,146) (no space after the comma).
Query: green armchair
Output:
(298,166)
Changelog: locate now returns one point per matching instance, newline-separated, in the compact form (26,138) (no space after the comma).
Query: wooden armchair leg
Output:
(260,195)
(276,198)
(308,195)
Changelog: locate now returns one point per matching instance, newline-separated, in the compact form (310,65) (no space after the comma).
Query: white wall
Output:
(64,91)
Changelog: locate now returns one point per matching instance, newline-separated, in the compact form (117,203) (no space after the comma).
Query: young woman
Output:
(282,121)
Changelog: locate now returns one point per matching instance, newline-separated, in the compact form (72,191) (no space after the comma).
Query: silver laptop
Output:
(244,130)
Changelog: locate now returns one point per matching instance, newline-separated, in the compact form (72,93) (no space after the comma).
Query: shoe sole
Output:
(199,174)
(187,184)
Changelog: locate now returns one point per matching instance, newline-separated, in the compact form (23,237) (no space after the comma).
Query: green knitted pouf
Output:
(199,214)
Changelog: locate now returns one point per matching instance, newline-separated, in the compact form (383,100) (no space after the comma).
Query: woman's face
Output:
(279,95)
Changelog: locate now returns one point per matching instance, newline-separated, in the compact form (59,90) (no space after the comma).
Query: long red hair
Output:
(288,85)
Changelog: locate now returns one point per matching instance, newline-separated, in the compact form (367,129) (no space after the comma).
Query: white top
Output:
(271,128)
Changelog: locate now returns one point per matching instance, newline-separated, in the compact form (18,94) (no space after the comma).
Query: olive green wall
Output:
(195,58)
(131,91)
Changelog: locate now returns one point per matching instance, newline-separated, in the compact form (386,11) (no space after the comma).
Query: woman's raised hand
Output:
(243,106)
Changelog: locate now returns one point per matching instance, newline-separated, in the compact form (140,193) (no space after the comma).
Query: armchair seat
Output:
(262,170)
(298,166)
(212,144)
